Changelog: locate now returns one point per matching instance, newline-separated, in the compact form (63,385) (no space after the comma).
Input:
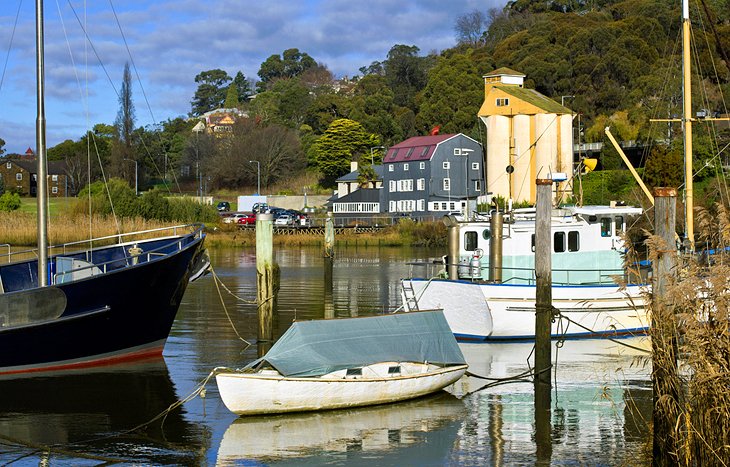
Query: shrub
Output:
(9,201)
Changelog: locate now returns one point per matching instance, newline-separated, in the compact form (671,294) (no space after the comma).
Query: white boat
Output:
(352,362)
(499,304)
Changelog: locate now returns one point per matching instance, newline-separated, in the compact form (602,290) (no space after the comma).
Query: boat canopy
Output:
(315,348)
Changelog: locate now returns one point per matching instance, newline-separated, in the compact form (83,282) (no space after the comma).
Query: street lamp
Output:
(258,176)
(136,191)
(562,99)
(372,159)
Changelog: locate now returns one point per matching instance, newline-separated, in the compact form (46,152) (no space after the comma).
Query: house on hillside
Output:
(428,176)
(529,136)
(21,176)
(354,201)
(220,121)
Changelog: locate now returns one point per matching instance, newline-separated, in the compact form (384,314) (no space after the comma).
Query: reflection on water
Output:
(601,397)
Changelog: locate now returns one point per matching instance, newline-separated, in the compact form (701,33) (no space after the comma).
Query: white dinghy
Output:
(352,362)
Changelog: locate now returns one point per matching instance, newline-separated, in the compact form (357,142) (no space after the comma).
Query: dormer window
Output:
(502,102)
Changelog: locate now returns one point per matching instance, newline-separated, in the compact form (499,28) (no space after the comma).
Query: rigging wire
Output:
(10,44)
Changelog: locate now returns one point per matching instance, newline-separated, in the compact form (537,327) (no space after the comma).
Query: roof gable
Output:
(417,148)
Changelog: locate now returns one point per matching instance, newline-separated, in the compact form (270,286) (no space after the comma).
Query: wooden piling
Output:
(329,237)
(267,281)
(665,378)
(495,247)
(543,318)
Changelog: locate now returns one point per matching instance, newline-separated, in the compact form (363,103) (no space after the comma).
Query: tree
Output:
(122,150)
(344,141)
(2,143)
(231,97)
(290,64)
(243,87)
(470,27)
(211,92)
(374,107)
(405,73)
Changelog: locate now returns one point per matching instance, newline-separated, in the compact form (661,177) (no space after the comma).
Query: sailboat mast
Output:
(40,128)
(687,127)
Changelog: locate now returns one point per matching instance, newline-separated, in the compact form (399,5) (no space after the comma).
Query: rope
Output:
(218,284)
(561,316)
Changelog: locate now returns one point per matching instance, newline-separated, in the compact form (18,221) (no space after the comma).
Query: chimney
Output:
(353,166)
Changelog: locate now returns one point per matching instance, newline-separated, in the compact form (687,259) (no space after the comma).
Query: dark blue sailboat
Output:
(113,300)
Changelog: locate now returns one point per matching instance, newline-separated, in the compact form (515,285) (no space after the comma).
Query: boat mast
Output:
(687,127)
(40,128)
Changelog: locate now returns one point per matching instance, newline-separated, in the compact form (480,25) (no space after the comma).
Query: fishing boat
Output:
(343,363)
(488,293)
(95,302)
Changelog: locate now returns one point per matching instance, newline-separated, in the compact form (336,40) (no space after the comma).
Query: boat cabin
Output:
(587,247)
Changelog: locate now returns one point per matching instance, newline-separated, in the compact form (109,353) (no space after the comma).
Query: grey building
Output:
(427,176)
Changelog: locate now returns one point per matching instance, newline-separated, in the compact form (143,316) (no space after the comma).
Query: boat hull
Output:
(255,394)
(501,312)
(122,315)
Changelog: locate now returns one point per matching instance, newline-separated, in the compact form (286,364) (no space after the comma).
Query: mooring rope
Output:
(218,285)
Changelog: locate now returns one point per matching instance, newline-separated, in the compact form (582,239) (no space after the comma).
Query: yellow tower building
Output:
(529,136)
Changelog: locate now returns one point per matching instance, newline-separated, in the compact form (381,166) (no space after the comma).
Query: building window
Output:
(421,184)
(573,240)
(54,189)
(35,177)
(475,166)
(19,176)
(477,186)
(390,168)
(424,151)
(444,207)
(8,165)
(391,186)
(54,178)
(421,205)
(502,102)
(405,167)
(446,165)
(452,206)
(447,184)
(422,165)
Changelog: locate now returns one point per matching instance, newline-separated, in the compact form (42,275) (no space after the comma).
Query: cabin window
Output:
(470,240)
(393,370)
(354,372)
(559,242)
(573,240)
(605,227)
(618,222)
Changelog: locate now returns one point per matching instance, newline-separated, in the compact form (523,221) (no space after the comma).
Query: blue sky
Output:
(172,41)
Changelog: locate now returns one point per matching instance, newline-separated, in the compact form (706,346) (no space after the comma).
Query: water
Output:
(601,400)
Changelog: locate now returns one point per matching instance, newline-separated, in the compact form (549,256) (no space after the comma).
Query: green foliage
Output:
(232,97)
(211,92)
(405,73)
(290,64)
(664,167)
(604,186)
(9,201)
(344,141)
(243,87)
(2,144)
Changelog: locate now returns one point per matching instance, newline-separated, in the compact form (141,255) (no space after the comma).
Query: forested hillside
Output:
(616,62)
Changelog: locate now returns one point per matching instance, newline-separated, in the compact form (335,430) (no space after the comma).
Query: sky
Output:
(169,42)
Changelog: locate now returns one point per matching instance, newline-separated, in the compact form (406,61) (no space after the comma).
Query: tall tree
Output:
(123,147)
(2,144)
(470,28)
(232,97)
(345,140)
(243,86)
(405,72)
(211,92)
(290,64)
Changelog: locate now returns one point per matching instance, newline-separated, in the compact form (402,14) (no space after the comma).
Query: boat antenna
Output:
(42,181)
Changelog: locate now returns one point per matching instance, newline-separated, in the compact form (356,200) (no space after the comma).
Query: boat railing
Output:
(95,244)
(522,276)
(7,245)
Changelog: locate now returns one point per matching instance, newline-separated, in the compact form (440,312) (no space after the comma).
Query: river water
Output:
(601,400)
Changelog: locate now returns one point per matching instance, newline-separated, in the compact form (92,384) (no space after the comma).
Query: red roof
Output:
(418,148)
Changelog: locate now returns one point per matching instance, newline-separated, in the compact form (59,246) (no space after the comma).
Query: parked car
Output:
(223,206)
(284,219)
(233,218)
(247,219)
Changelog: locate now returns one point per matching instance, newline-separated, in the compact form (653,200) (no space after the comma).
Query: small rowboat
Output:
(342,363)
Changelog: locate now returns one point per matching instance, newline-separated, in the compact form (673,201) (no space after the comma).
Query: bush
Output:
(9,201)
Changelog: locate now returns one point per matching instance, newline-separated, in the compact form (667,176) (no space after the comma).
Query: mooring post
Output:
(543,318)
(495,246)
(665,379)
(329,237)
(266,276)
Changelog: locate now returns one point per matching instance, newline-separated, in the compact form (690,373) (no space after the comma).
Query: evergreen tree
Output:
(345,140)
(211,92)
(243,87)
(232,97)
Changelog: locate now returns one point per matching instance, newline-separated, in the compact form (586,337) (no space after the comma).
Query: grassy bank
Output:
(19,229)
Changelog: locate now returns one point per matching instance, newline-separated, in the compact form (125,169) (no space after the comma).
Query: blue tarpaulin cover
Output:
(314,348)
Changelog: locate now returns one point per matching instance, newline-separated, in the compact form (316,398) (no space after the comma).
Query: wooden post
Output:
(267,280)
(329,304)
(329,237)
(665,379)
(543,318)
